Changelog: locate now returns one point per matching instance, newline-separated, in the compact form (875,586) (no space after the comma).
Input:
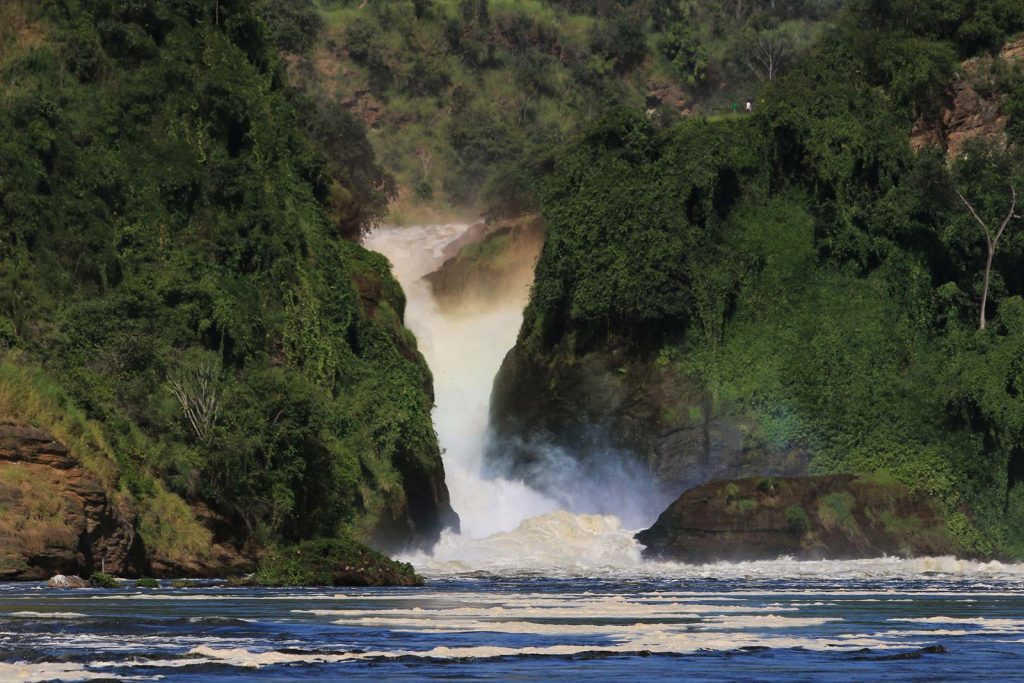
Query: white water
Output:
(508,528)
(464,351)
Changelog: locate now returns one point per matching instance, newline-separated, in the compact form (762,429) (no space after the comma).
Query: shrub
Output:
(101,580)
(333,562)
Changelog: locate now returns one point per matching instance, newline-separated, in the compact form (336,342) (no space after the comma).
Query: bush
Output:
(333,562)
(101,580)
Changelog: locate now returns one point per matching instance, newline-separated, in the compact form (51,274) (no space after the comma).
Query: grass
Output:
(171,530)
(35,512)
(33,398)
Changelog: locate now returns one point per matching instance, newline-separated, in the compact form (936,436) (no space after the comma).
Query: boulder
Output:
(62,581)
(332,562)
(841,516)
(488,263)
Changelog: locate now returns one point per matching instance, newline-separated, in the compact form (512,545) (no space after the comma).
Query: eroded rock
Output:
(57,516)
(971,112)
(824,517)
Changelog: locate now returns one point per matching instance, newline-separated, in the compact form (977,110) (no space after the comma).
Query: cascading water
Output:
(508,528)
(505,524)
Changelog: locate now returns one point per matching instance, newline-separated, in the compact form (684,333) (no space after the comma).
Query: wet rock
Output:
(823,517)
(62,581)
(333,562)
(609,404)
(488,263)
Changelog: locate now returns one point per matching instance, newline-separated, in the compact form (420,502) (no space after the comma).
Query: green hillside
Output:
(177,300)
(466,99)
(802,278)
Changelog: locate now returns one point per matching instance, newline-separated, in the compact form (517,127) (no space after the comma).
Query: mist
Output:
(588,500)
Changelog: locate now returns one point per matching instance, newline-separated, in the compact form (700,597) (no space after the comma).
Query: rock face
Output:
(57,517)
(641,411)
(969,113)
(825,517)
(488,262)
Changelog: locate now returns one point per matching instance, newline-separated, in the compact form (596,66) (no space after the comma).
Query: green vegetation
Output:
(467,98)
(333,562)
(101,580)
(178,303)
(820,278)
(147,583)
(796,520)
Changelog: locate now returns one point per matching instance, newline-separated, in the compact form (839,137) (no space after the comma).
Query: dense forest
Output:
(466,99)
(178,302)
(828,289)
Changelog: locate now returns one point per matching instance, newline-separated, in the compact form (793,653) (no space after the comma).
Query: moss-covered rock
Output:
(493,262)
(101,580)
(826,517)
(333,562)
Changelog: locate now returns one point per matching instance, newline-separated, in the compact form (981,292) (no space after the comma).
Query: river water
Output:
(931,620)
(531,590)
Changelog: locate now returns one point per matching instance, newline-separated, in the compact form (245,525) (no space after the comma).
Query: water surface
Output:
(773,621)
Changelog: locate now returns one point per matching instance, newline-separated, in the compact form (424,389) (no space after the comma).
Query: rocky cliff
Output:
(489,262)
(974,107)
(58,517)
(826,517)
(665,423)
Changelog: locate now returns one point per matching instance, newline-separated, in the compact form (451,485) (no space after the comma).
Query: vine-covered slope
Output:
(177,304)
(798,290)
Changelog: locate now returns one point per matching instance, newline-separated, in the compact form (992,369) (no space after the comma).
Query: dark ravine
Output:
(839,516)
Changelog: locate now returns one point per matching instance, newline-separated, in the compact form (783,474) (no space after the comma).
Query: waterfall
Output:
(506,525)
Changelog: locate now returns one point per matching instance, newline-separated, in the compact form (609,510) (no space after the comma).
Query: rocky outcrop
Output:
(664,92)
(57,517)
(639,410)
(826,517)
(332,562)
(488,262)
(973,110)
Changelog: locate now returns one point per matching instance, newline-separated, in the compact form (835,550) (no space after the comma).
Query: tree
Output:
(767,52)
(196,385)
(989,169)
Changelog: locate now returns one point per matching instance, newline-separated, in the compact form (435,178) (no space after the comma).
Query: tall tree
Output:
(994,210)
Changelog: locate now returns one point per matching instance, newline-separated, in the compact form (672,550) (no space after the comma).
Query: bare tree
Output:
(426,159)
(991,242)
(196,386)
(767,53)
